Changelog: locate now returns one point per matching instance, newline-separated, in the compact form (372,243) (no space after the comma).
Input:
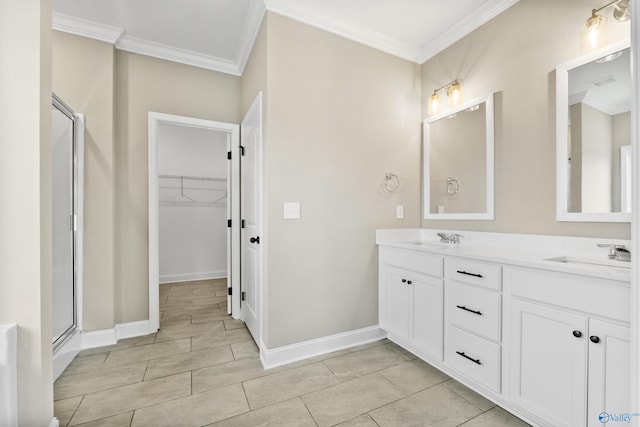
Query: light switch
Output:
(399,212)
(291,210)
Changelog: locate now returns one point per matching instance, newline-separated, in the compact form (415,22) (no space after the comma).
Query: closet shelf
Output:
(184,190)
(196,178)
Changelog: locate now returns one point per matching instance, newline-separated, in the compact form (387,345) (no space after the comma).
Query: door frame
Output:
(233,235)
(634,404)
(68,347)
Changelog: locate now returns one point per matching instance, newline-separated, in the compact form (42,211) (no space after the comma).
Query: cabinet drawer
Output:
(473,356)
(474,308)
(474,272)
(420,262)
(599,297)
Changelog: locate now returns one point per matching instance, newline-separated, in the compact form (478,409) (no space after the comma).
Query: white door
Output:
(609,367)
(251,237)
(548,363)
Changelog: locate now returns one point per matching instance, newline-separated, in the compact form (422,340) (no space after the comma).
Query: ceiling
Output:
(605,86)
(219,34)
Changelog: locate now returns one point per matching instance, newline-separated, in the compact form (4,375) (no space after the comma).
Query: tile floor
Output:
(202,369)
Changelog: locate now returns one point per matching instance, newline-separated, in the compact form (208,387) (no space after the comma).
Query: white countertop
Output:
(531,251)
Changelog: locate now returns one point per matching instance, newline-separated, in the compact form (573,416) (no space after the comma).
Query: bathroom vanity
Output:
(537,324)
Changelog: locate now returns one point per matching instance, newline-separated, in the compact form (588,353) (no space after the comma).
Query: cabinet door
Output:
(548,363)
(396,304)
(609,367)
(427,315)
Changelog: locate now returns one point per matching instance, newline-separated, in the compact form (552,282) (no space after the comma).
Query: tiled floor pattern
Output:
(202,369)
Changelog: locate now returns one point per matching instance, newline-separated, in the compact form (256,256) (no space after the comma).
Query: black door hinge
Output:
(228,155)
(229,291)
(242,150)
(244,295)
(228,223)
(242,224)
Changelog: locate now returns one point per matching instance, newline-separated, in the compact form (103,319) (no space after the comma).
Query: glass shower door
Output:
(63,222)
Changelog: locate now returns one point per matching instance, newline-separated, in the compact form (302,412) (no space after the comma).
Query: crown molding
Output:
(182,56)
(315,17)
(418,54)
(86,28)
(250,32)
(122,41)
(484,14)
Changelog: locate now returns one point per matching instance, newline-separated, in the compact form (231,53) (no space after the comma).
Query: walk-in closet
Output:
(193,200)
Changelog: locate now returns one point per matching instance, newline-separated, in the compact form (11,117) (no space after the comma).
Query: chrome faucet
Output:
(449,238)
(617,252)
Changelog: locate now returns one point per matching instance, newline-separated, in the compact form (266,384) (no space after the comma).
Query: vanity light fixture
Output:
(454,95)
(594,32)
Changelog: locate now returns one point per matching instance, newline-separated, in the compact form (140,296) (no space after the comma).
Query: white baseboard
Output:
(54,422)
(9,375)
(132,329)
(192,277)
(111,336)
(66,353)
(99,338)
(272,358)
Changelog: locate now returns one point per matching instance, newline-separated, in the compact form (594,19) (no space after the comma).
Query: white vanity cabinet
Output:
(546,340)
(411,299)
(569,345)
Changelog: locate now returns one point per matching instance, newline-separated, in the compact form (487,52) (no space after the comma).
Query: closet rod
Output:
(199,178)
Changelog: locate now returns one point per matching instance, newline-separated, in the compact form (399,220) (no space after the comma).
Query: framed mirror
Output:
(593,136)
(458,162)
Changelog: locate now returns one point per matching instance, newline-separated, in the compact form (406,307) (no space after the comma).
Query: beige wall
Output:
(254,76)
(146,84)
(621,124)
(575,153)
(515,55)
(597,150)
(116,90)
(448,137)
(339,115)
(25,191)
(83,78)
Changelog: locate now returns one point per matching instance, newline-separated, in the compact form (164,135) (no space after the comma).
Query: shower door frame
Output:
(68,343)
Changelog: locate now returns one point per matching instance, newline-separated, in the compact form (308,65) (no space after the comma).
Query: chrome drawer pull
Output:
(462,307)
(476,361)
(469,274)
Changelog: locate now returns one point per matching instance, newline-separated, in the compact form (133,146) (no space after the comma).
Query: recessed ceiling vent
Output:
(603,81)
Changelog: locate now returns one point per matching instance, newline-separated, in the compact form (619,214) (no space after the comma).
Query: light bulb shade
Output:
(454,94)
(594,33)
(434,103)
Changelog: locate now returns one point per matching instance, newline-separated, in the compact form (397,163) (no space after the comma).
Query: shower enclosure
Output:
(66,183)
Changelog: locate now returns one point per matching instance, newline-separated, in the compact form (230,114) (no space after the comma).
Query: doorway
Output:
(193,187)
(193,203)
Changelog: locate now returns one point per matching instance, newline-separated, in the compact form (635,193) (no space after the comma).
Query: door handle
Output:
(255,240)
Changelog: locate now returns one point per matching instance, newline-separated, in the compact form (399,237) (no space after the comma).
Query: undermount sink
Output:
(591,261)
(434,245)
